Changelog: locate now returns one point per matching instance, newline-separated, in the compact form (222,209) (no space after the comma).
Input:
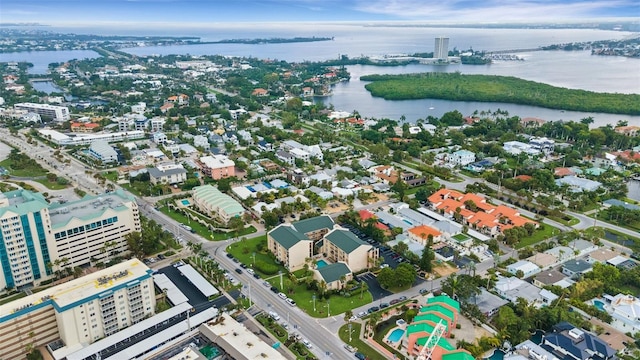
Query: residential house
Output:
(549,277)
(209,200)
(526,267)
(461,158)
(179,100)
(576,268)
(286,157)
(488,303)
(512,288)
(625,311)
(201,141)
(577,184)
(631,130)
(577,344)
(421,234)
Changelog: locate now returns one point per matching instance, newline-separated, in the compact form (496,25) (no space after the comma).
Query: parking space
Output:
(374,287)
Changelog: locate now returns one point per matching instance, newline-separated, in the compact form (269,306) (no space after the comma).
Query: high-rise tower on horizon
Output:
(441,49)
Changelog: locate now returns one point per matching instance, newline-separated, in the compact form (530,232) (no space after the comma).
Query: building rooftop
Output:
(238,341)
(89,207)
(287,236)
(80,290)
(333,272)
(488,302)
(345,240)
(314,224)
(577,266)
(549,277)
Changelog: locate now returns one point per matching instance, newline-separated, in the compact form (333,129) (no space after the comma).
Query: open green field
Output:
(31,170)
(50,185)
(492,88)
(538,235)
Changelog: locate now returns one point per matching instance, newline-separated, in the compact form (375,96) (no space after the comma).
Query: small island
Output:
(491,88)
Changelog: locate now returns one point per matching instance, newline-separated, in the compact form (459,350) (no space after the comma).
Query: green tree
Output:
(426,258)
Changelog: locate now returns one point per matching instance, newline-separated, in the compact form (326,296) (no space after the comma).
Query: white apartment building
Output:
(168,174)
(79,312)
(86,139)
(46,111)
(103,152)
(34,234)
(461,158)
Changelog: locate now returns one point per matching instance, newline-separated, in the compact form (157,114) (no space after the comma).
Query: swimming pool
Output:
(185,202)
(321,263)
(599,304)
(395,335)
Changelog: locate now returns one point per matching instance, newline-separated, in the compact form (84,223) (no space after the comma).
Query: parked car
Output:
(402,298)
(250,271)
(373,309)
(255,275)
(350,348)
(290,302)
(229,256)
(274,289)
(360,356)
(274,315)
(282,296)
(307,343)
(239,271)
(362,314)
(423,291)
(384,305)
(394,301)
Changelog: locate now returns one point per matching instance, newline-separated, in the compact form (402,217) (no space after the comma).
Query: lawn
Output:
(338,304)
(538,235)
(243,250)
(570,222)
(34,170)
(362,347)
(53,185)
(461,237)
(434,184)
(278,331)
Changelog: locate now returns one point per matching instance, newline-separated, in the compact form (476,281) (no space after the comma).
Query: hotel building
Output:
(46,111)
(77,313)
(34,234)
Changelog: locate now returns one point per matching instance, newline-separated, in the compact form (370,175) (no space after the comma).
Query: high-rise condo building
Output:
(37,238)
(441,49)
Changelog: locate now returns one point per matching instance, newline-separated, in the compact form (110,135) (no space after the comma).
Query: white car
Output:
(307,343)
(282,296)
(250,271)
(290,302)
(274,315)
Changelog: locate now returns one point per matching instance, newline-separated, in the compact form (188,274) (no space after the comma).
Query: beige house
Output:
(334,275)
(342,245)
(289,246)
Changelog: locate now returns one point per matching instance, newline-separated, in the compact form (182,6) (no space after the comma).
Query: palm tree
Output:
(347,315)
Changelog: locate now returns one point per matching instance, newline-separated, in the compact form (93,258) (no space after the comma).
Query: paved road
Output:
(321,332)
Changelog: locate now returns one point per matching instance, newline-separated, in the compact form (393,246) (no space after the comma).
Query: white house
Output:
(461,158)
(527,267)
(625,310)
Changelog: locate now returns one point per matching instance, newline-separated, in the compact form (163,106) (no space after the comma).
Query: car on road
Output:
(384,305)
(306,343)
(423,291)
(250,271)
(274,315)
(350,348)
(394,301)
(373,309)
(353,318)
(290,302)
(244,266)
(255,275)
(239,271)
(360,356)
(402,298)
(235,260)
(229,256)
(362,314)
(274,289)
(282,296)
(266,283)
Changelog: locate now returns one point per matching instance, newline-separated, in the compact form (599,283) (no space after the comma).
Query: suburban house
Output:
(625,310)
(461,158)
(421,234)
(578,344)
(575,268)
(526,267)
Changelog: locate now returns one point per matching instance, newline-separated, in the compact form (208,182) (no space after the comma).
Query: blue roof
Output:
(616,202)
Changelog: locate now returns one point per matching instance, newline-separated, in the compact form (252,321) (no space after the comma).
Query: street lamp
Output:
(254,259)
(350,331)
(328,310)
(313,297)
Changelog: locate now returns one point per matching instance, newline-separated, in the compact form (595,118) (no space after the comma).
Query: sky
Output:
(53,12)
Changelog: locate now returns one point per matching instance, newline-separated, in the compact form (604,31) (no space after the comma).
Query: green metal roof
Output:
(444,299)
(443,343)
(24,202)
(286,236)
(420,327)
(345,240)
(458,355)
(212,195)
(314,224)
(439,309)
(430,317)
(333,272)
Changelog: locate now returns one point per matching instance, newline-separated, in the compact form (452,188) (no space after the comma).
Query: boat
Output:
(431,108)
